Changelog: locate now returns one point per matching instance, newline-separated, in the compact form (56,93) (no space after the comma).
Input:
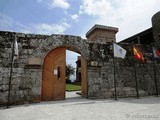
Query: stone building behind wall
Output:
(102,33)
(97,53)
(78,69)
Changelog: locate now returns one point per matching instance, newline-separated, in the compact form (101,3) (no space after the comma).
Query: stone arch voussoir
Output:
(74,43)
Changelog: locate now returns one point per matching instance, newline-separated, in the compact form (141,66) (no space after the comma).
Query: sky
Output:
(76,17)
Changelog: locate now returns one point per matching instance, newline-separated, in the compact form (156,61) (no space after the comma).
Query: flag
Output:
(119,51)
(156,53)
(15,57)
(137,54)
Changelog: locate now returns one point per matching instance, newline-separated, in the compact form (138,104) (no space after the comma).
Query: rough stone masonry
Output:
(98,52)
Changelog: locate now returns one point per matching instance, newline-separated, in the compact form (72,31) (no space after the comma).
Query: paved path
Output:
(72,95)
(77,108)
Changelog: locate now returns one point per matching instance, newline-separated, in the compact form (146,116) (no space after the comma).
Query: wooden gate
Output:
(53,76)
(84,77)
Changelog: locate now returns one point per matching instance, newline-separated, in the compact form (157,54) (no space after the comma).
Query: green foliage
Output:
(72,87)
(70,70)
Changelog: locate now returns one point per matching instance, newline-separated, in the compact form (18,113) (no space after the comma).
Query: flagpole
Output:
(155,78)
(115,81)
(136,78)
(11,71)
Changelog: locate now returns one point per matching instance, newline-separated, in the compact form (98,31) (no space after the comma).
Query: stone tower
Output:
(156,28)
(102,33)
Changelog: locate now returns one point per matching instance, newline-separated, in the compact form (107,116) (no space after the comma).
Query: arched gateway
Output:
(53,73)
(54,65)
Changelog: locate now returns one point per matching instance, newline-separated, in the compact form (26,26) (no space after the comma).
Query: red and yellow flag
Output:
(138,55)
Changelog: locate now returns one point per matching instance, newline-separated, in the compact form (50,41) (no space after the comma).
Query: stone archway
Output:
(53,73)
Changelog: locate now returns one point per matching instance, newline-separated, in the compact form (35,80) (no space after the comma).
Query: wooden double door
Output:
(54,75)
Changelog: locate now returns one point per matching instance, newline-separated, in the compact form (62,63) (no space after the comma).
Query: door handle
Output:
(58,73)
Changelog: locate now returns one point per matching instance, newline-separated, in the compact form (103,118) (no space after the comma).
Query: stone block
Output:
(36,91)
(142,93)
(4,87)
(34,61)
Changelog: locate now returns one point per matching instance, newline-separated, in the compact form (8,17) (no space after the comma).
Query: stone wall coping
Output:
(65,35)
(20,34)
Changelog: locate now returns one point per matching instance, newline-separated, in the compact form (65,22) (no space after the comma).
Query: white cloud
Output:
(46,28)
(74,17)
(5,21)
(94,7)
(51,28)
(130,16)
(59,4)
(55,3)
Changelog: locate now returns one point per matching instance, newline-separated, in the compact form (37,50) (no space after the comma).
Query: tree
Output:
(70,70)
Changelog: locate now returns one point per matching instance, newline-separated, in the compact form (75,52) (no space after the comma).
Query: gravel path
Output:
(77,108)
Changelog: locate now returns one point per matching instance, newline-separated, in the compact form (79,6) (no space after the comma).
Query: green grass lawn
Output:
(72,87)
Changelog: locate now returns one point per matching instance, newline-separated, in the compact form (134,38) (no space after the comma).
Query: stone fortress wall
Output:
(27,70)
